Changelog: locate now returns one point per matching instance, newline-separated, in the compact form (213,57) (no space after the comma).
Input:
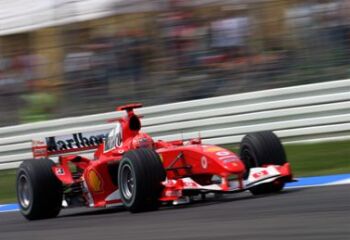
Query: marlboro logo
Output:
(74,141)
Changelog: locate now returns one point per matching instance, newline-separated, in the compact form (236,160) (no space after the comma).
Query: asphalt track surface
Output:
(310,213)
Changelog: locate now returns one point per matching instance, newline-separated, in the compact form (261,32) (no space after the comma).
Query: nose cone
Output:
(225,160)
(234,165)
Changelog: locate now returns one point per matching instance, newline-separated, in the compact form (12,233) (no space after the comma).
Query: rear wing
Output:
(44,147)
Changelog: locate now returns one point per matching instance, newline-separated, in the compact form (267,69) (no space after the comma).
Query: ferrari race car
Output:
(130,169)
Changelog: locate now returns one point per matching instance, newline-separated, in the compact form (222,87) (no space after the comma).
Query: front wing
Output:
(175,189)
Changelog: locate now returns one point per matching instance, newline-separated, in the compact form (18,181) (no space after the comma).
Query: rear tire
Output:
(262,149)
(140,175)
(39,192)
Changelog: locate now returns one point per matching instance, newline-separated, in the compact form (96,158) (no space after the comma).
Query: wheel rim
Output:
(127,184)
(24,191)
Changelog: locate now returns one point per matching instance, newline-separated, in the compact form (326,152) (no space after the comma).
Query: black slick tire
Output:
(140,175)
(39,192)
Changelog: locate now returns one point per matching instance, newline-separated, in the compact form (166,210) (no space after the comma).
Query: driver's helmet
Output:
(142,140)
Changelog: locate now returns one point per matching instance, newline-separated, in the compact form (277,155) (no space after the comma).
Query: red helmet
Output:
(142,140)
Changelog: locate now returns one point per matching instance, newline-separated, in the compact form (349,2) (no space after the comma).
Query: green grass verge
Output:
(7,186)
(317,159)
(306,160)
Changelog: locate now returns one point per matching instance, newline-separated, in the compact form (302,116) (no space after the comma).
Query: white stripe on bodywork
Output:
(190,184)
(114,196)
(88,194)
(261,175)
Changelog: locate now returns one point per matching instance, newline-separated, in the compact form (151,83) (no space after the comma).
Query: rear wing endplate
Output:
(44,147)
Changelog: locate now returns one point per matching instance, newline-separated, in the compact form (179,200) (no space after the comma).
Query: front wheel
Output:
(262,149)
(39,192)
(140,175)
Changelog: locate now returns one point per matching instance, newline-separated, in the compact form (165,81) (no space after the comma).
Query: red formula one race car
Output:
(130,169)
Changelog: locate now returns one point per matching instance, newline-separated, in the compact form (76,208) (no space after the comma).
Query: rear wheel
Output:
(39,192)
(261,149)
(140,175)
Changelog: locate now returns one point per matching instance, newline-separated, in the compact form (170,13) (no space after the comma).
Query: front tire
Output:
(39,192)
(140,175)
(262,149)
